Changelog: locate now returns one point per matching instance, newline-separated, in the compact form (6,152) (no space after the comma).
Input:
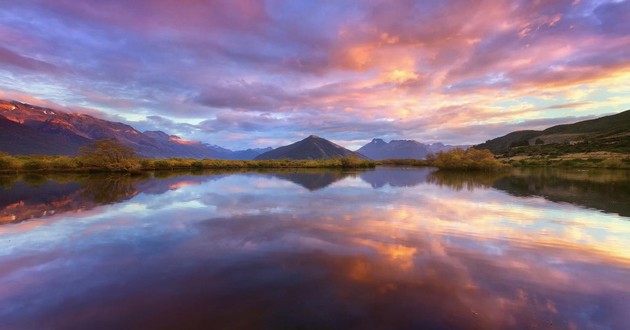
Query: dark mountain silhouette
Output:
(313,147)
(26,129)
(609,133)
(402,149)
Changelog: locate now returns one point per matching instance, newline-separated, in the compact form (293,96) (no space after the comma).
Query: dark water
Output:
(390,248)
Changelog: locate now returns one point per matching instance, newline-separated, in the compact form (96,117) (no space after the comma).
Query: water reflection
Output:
(606,190)
(311,179)
(253,250)
(33,195)
(396,177)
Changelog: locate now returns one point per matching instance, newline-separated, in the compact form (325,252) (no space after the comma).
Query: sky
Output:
(239,73)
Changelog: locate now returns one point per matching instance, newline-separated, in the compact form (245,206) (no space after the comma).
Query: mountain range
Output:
(27,129)
(313,147)
(608,133)
(378,149)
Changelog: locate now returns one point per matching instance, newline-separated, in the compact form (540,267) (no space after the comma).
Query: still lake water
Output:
(388,248)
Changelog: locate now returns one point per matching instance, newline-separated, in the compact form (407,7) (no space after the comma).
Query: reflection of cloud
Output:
(279,255)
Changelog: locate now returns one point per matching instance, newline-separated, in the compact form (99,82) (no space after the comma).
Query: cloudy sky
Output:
(243,73)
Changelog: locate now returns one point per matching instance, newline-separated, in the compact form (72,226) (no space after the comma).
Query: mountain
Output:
(401,149)
(379,149)
(439,146)
(609,133)
(26,129)
(16,138)
(313,147)
(248,153)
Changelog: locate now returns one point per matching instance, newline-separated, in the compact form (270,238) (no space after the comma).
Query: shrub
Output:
(111,155)
(469,159)
(33,165)
(162,164)
(63,163)
(197,164)
(8,163)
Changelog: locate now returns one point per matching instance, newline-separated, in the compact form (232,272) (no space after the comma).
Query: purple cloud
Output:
(234,72)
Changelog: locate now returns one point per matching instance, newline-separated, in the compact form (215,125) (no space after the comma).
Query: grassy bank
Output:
(573,160)
(19,164)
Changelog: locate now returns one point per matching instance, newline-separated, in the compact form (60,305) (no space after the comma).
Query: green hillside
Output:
(609,133)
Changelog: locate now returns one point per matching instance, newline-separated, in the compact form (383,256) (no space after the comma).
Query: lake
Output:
(385,248)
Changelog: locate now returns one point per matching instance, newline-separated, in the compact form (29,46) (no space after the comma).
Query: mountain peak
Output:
(313,147)
(378,141)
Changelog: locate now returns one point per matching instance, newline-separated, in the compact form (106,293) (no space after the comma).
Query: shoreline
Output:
(65,164)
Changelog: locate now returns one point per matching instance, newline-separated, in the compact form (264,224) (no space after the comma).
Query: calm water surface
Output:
(389,248)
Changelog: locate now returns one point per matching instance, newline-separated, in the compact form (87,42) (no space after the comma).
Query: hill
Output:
(608,133)
(313,147)
(27,129)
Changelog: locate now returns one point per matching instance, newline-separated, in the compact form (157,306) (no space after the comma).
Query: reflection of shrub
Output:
(612,163)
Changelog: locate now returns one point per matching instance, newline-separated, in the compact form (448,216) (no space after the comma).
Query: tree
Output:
(109,154)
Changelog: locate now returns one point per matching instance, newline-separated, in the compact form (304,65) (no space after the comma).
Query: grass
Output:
(19,164)
(574,160)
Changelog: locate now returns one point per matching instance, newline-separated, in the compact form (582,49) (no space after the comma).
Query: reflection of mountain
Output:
(37,196)
(605,190)
(312,179)
(396,177)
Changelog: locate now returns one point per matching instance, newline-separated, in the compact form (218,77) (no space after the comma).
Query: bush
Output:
(63,163)
(197,164)
(111,155)
(33,165)
(7,164)
(162,164)
(469,159)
